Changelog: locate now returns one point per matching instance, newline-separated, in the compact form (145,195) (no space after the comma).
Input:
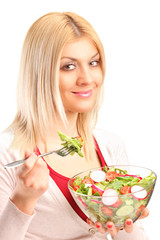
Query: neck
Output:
(51,135)
(70,128)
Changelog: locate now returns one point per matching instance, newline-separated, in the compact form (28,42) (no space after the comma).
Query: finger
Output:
(90,223)
(112,229)
(39,166)
(28,153)
(100,227)
(144,214)
(28,165)
(128,226)
(38,176)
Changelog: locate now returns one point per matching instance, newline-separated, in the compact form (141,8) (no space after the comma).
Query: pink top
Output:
(54,217)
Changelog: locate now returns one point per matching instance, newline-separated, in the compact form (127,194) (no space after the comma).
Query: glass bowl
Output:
(113,193)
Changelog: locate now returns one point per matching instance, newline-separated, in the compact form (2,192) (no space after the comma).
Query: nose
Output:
(85,76)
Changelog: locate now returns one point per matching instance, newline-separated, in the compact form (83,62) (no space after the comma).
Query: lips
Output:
(83,94)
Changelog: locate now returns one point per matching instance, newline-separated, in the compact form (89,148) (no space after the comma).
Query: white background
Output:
(130,33)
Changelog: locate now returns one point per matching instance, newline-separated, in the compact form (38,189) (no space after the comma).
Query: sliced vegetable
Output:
(128,175)
(118,203)
(107,211)
(76,188)
(124,211)
(80,140)
(96,201)
(111,194)
(88,180)
(125,190)
(96,189)
(111,175)
(109,197)
(98,176)
(139,192)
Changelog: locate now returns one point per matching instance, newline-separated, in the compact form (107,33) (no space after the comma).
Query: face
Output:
(80,76)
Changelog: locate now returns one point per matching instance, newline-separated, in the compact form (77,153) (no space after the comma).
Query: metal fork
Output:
(62,152)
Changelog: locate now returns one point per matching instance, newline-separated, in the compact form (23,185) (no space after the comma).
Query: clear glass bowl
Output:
(116,208)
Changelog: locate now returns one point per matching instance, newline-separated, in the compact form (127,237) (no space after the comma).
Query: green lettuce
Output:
(71,144)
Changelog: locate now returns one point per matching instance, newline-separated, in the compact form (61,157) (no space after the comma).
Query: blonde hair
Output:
(38,96)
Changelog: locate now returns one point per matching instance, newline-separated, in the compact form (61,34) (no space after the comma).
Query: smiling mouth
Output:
(83,94)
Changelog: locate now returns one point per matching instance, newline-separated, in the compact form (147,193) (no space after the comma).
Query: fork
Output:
(62,152)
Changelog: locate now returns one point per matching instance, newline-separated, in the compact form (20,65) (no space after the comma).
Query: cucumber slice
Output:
(124,211)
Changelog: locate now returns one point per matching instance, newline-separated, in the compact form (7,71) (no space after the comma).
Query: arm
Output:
(18,195)
(117,155)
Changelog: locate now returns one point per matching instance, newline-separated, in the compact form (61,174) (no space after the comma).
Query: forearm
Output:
(24,204)
(14,223)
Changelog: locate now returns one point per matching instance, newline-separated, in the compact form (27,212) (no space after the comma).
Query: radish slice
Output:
(97,188)
(98,176)
(96,201)
(128,175)
(109,197)
(139,192)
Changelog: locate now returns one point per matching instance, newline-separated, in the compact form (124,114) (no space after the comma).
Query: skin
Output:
(32,182)
(80,78)
(110,227)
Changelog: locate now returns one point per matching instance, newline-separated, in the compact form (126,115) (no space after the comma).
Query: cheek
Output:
(66,81)
(98,77)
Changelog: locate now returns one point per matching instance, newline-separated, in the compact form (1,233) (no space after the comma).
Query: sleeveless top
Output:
(62,183)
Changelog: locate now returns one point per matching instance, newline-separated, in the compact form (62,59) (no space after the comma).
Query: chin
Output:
(82,109)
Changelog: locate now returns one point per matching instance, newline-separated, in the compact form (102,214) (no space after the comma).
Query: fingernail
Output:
(129,222)
(109,225)
(36,154)
(88,221)
(36,150)
(98,225)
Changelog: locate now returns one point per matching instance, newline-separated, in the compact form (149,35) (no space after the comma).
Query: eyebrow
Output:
(74,59)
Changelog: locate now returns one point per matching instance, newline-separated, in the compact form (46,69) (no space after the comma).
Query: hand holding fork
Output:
(32,179)
(62,152)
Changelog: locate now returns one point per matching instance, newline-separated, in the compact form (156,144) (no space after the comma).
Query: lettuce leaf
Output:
(147,181)
(71,144)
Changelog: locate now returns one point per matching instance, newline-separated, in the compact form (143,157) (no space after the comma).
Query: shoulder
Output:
(6,153)
(111,144)
(6,138)
(107,137)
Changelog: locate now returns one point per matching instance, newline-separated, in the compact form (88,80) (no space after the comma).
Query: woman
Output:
(60,87)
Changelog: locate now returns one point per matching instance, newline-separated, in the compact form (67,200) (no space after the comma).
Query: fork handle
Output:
(14,164)
(20,162)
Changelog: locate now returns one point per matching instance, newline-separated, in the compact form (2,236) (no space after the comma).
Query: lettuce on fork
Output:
(74,144)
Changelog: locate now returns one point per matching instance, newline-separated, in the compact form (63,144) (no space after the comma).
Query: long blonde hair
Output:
(38,96)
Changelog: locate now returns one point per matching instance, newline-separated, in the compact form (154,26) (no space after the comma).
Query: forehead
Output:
(79,49)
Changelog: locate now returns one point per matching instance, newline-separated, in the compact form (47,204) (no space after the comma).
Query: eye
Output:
(95,63)
(68,67)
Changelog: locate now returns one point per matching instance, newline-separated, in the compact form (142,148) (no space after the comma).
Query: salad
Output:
(111,193)
(74,144)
